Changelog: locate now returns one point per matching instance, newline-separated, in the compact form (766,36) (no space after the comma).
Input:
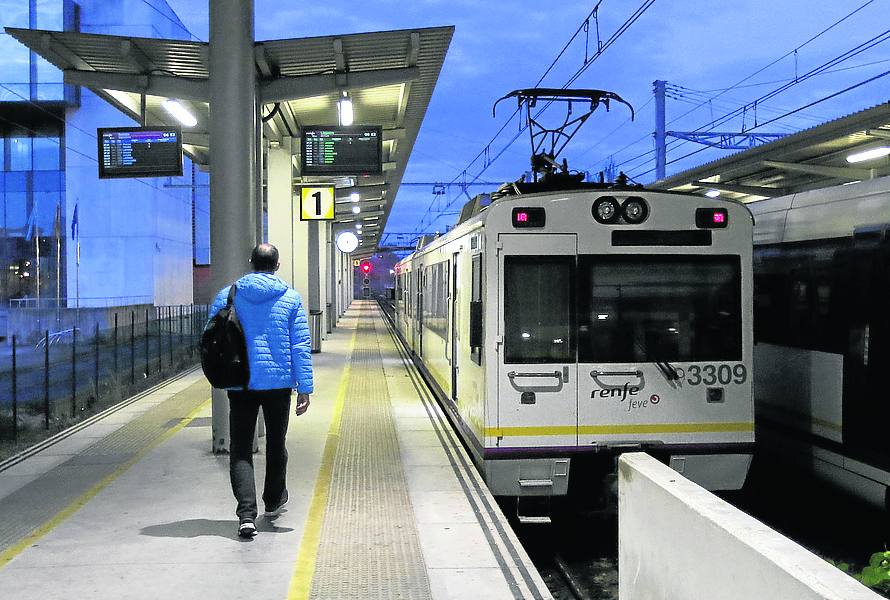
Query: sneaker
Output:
(275,509)
(247,529)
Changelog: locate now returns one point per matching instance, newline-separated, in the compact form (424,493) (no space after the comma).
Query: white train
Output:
(564,327)
(822,327)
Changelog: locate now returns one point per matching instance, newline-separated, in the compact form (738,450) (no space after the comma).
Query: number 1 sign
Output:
(317,203)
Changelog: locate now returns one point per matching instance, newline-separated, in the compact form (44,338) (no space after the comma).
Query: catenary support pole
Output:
(660,135)
(233,160)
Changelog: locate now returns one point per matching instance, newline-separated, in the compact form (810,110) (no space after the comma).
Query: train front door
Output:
(537,369)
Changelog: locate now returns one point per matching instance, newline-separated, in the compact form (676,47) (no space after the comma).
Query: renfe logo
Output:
(619,392)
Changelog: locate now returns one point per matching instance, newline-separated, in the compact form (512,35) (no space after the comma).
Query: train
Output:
(822,333)
(561,325)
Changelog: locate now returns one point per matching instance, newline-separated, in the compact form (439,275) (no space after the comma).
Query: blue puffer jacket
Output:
(274,322)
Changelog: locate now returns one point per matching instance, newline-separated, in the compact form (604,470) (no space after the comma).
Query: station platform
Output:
(384,501)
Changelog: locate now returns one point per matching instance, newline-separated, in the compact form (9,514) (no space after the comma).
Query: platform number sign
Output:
(317,203)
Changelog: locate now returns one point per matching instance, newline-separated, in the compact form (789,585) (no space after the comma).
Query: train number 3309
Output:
(712,374)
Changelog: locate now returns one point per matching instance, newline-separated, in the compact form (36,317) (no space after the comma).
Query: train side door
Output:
(537,368)
(418,333)
(453,313)
(867,271)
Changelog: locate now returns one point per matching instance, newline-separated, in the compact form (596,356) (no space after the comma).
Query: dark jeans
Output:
(243,407)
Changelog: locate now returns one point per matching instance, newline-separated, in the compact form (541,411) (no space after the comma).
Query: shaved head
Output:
(264,258)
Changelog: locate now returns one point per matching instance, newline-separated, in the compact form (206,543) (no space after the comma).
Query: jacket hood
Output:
(260,287)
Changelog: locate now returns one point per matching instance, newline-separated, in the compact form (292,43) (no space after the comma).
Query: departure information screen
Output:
(139,151)
(354,150)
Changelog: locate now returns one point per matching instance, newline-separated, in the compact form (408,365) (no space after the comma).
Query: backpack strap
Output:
(231,299)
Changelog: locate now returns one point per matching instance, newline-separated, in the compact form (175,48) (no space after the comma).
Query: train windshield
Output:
(538,309)
(645,308)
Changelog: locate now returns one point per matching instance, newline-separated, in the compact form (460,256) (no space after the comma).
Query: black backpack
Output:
(224,349)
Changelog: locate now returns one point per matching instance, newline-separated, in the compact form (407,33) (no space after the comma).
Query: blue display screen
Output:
(140,152)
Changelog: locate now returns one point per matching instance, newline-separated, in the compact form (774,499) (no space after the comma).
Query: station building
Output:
(136,237)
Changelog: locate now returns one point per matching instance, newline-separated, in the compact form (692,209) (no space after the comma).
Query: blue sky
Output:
(701,45)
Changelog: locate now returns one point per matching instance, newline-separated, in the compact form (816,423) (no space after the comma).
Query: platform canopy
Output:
(388,75)
(809,159)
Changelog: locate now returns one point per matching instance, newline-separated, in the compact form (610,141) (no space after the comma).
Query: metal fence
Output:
(50,383)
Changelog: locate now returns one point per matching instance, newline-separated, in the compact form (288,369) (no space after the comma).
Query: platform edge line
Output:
(60,517)
(300,585)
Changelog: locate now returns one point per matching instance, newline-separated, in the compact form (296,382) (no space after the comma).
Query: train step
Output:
(533,510)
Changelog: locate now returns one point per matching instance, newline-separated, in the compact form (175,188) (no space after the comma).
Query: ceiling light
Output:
(344,110)
(356,210)
(869,154)
(354,197)
(712,193)
(180,112)
(358,225)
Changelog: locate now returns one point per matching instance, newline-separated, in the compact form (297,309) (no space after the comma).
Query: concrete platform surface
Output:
(384,501)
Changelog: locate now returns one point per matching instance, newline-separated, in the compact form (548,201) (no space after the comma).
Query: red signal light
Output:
(366,267)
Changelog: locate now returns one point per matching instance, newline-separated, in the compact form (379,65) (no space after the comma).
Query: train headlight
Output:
(635,210)
(606,209)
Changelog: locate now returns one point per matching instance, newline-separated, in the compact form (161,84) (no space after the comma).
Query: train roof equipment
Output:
(547,143)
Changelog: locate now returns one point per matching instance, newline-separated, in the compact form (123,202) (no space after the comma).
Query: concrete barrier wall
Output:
(677,541)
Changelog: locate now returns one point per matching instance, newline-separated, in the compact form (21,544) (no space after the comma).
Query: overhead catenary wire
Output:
(173,21)
(755,104)
(484,152)
(737,84)
(788,113)
(588,61)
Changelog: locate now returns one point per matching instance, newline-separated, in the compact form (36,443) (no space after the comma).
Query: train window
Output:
(648,308)
(803,293)
(435,298)
(538,309)
(476,331)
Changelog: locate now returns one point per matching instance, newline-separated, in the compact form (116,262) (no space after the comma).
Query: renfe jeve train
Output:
(563,327)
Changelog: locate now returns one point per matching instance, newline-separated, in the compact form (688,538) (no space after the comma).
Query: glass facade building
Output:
(48,150)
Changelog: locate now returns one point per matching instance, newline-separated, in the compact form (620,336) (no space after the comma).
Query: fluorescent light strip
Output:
(180,112)
(868,154)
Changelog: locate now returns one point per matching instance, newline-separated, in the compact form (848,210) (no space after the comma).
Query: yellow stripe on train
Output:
(745,426)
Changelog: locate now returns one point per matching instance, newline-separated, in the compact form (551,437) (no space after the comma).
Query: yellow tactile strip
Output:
(32,511)
(369,546)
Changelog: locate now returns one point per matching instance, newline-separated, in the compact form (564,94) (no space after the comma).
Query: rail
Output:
(89,302)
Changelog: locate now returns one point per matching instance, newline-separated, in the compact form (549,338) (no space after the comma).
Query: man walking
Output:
(280,360)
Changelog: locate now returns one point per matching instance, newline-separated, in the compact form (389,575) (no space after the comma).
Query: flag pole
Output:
(77,276)
(57,230)
(75,235)
(37,251)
